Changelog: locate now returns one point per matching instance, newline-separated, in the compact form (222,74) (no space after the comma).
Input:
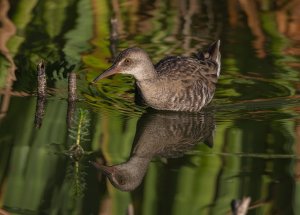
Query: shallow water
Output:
(245,144)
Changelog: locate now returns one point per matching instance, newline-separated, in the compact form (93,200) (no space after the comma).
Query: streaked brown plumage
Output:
(160,134)
(175,83)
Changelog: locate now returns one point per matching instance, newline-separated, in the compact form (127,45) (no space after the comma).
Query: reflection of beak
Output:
(112,70)
(107,170)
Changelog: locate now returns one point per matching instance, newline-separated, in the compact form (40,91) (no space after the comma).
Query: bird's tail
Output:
(213,54)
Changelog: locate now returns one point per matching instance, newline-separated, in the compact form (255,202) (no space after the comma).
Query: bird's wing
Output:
(176,67)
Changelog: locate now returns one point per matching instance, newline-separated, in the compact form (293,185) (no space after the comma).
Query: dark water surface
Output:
(245,144)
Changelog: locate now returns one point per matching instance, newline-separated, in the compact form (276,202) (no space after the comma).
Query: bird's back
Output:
(203,64)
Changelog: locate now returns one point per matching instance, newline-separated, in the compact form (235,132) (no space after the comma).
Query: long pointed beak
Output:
(112,70)
(107,170)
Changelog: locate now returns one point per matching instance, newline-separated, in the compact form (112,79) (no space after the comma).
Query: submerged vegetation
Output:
(79,133)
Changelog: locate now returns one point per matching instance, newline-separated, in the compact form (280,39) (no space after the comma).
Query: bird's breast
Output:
(175,95)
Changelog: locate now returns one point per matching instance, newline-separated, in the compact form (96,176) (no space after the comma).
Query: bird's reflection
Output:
(160,134)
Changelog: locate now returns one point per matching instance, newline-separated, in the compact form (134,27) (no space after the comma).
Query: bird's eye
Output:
(121,180)
(127,61)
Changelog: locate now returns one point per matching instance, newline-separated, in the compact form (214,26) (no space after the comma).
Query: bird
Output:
(163,134)
(175,83)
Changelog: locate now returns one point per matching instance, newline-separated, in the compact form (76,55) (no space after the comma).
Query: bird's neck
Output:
(148,73)
(136,166)
(138,163)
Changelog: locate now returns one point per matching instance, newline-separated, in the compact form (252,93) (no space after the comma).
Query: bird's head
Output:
(132,61)
(122,176)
